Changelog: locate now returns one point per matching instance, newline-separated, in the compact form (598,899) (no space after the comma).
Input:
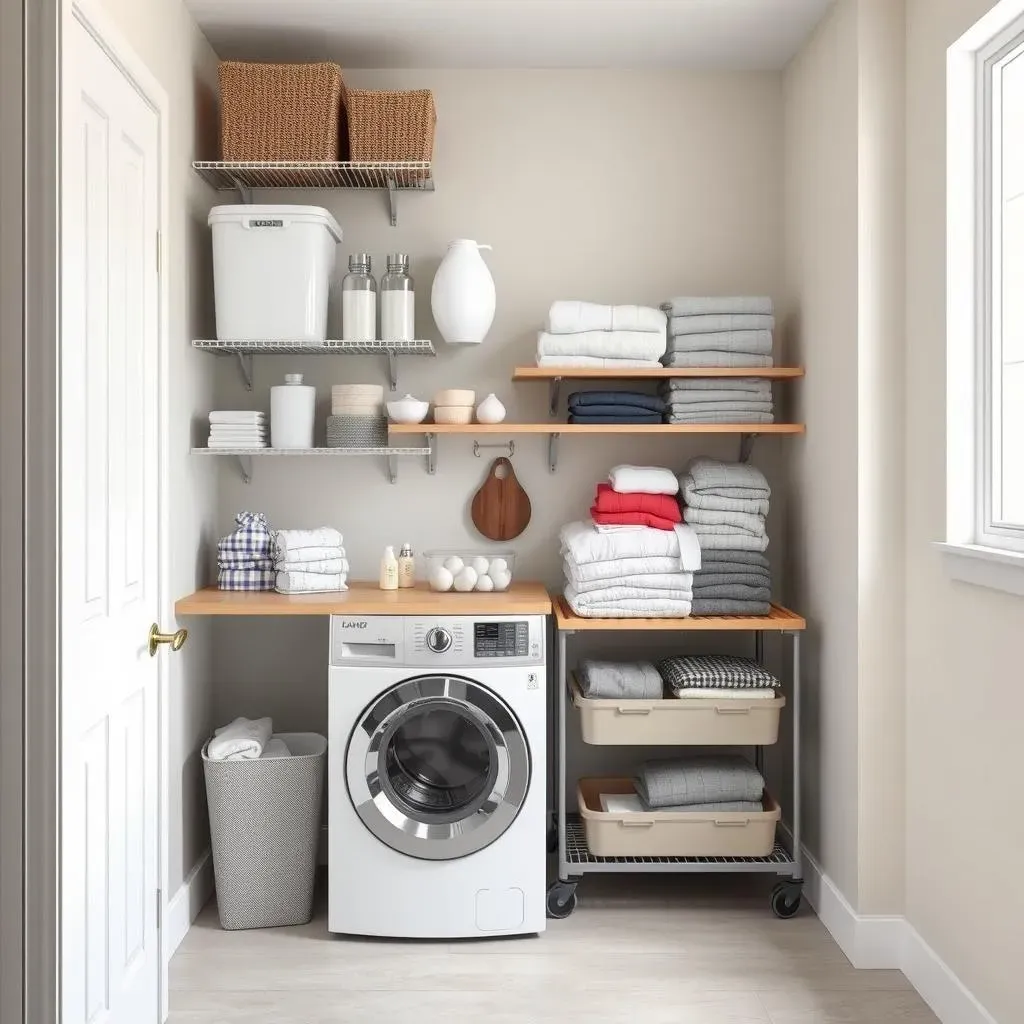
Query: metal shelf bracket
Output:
(747,446)
(553,451)
(392,469)
(432,454)
(393,369)
(393,203)
(244,192)
(553,389)
(245,468)
(245,363)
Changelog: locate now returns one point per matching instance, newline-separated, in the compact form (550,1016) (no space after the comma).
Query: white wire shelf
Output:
(244,456)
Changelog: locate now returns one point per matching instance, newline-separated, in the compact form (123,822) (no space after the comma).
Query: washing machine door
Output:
(438,767)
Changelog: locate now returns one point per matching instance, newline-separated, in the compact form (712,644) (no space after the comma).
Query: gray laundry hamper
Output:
(264,828)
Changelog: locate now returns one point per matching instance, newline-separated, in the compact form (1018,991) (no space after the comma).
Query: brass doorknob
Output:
(176,639)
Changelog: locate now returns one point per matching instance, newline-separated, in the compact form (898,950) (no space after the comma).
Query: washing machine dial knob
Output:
(439,640)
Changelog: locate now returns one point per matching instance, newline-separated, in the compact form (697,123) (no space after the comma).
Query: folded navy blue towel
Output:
(616,411)
(634,416)
(582,400)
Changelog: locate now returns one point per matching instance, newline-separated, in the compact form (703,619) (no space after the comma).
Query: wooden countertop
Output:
(364,598)
(776,620)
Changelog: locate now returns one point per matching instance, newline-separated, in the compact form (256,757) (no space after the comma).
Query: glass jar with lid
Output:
(359,300)
(397,300)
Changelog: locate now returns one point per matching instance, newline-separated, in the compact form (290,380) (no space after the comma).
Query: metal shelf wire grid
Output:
(310,451)
(414,175)
(577,854)
(327,348)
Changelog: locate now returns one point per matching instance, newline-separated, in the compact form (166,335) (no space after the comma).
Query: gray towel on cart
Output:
(723,606)
(679,782)
(744,806)
(732,592)
(638,680)
(755,578)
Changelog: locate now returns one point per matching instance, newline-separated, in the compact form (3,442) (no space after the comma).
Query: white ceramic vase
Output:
(462,298)
(490,410)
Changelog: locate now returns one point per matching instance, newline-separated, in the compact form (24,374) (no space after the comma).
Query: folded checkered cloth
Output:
(246,579)
(244,562)
(715,670)
(252,539)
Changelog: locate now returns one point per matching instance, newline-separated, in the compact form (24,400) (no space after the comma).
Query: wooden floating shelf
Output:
(596,428)
(642,373)
(779,619)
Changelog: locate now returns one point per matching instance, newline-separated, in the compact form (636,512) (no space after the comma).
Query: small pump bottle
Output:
(389,570)
(406,567)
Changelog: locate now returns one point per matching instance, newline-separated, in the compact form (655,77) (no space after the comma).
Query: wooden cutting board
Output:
(501,508)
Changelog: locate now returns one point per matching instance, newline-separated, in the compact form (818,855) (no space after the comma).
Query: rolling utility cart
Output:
(753,723)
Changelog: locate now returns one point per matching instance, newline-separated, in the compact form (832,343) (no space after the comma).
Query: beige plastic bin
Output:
(703,721)
(672,834)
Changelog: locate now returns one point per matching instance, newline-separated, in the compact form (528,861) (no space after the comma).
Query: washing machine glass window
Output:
(438,767)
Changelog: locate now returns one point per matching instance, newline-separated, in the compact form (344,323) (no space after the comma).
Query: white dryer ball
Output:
(441,579)
(454,564)
(466,580)
(479,565)
(501,580)
(498,565)
(484,582)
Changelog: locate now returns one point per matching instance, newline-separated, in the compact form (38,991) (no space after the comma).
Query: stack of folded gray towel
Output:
(726,503)
(713,782)
(719,331)
(718,400)
(614,680)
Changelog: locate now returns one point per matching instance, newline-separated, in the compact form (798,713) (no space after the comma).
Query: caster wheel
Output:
(785,900)
(561,900)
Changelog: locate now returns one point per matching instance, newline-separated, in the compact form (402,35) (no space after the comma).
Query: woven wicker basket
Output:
(280,112)
(387,125)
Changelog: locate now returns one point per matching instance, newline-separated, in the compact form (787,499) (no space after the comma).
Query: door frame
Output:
(94,18)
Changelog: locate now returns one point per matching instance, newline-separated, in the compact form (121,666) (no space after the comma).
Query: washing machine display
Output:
(438,767)
(501,639)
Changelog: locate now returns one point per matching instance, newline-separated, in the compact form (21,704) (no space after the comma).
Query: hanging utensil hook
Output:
(510,445)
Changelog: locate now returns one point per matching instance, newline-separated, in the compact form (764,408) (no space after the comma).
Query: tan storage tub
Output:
(672,834)
(704,721)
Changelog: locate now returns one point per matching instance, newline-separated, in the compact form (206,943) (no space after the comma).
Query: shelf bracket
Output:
(393,203)
(392,469)
(245,369)
(244,192)
(553,389)
(393,369)
(245,468)
(553,451)
(747,446)
(432,454)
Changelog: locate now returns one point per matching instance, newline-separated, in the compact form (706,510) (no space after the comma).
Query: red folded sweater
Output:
(630,519)
(664,506)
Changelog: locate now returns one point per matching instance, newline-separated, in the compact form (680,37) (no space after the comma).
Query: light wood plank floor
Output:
(668,950)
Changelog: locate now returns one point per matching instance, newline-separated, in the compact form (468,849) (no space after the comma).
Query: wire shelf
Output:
(327,348)
(578,856)
(310,451)
(403,176)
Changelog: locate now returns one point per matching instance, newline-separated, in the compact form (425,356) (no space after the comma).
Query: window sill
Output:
(994,568)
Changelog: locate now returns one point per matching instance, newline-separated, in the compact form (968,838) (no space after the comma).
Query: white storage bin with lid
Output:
(272,270)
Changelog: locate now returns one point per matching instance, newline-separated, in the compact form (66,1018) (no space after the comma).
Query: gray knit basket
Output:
(264,828)
(357,432)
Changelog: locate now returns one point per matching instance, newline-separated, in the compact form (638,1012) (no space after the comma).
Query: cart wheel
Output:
(561,900)
(785,900)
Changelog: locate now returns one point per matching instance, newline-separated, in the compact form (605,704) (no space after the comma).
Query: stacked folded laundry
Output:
(726,504)
(237,429)
(245,739)
(612,337)
(713,782)
(309,561)
(614,407)
(716,676)
(245,558)
(719,331)
(718,400)
(611,680)
(622,566)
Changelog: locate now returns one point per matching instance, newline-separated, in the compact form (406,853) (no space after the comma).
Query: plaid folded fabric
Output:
(244,562)
(716,671)
(251,540)
(246,579)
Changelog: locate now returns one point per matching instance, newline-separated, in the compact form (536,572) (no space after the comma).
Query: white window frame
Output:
(977,550)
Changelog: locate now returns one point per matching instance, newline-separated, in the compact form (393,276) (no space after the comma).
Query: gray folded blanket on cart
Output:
(732,592)
(747,806)
(726,606)
(683,782)
(752,577)
(638,680)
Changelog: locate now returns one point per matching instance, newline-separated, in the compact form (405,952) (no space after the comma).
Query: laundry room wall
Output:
(609,186)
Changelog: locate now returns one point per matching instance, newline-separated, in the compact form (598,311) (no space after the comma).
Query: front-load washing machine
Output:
(436,776)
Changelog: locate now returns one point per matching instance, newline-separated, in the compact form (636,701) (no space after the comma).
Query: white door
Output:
(109,542)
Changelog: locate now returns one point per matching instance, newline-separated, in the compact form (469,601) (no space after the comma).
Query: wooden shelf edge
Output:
(524,373)
(777,620)
(596,428)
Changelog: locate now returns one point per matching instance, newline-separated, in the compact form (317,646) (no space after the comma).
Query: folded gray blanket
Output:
(699,305)
(715,357)
(699,780)
(718,502)
(620,680)
(702,580)
(732,479)
(747,806)
(708,558)
(720,606)
(751,342)
(700,396)
(744,384)
(732,592)
(682,408)
(719,417)
(744,522)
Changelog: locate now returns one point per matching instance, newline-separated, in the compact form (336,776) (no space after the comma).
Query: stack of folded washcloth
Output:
(717,400)
(717,675)
(726,504)
(237,429)
(712,782)
(613,337)
(612,680)
(615,407)
(719,331)
(245,558)
(246,739)
(309,561)
(623,568)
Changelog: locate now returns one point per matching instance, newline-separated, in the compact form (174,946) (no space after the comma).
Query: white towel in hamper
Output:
(242,738)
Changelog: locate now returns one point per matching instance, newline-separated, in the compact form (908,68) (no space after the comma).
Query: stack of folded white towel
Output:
(631,572)
(719,331)
(610,337)
(245,739)
(717,400)
(239,428)
(309,561)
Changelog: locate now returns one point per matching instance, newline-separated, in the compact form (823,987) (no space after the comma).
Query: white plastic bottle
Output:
(406,567)
(359,300)
(292,412)
(389,570)
(397,300)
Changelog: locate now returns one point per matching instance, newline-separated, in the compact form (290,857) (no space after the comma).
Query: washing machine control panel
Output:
(474,640)
(501,639)
(438,639)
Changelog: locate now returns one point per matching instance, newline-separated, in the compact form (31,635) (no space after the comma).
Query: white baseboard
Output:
(938,986)
(185,904)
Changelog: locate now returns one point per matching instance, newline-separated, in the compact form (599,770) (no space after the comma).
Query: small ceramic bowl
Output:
(408,410)
(453,414)
(455,396)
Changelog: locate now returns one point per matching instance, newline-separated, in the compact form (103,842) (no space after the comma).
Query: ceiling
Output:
(699,34)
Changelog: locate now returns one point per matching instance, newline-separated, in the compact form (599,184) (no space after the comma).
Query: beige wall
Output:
(965,698)
(167,40)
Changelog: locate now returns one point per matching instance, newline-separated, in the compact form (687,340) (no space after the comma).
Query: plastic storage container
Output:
(264,830)
(700,721)
(672,833)
(292,412)
(490,570)
(272,269)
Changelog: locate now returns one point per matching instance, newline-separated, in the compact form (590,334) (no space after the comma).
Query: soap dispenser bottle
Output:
(389,570)
(406,567)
